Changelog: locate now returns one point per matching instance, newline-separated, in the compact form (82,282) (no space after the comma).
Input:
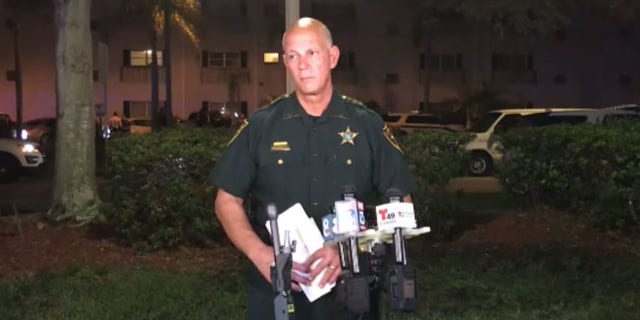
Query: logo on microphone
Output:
(395,215)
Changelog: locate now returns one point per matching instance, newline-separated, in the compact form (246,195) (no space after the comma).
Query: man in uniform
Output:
(302,148)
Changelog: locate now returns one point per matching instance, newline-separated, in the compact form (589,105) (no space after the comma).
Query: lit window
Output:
(271,57)
(142,58)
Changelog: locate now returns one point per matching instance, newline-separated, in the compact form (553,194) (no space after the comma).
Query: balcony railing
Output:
(224,75)
(139,74)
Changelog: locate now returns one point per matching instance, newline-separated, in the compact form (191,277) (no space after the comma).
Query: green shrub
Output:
(158,193)
(434,158)
(591,170)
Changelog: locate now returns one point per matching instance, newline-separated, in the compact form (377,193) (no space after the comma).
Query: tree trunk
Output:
(166,60)
(75,193)
(155,81)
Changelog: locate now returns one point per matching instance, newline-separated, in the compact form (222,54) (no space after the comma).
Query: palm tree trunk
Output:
(75,193)
(166,60)
(15,26)
(154,81)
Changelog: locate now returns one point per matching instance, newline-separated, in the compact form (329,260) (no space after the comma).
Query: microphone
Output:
(281,268)
(353,286)
(397,215)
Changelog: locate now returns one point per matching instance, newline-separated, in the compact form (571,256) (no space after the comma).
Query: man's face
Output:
(309,59)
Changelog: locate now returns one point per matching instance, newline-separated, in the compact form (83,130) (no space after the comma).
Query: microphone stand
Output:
(281,269)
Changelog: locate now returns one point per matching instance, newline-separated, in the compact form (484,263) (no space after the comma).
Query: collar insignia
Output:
(348,136)
(280,146)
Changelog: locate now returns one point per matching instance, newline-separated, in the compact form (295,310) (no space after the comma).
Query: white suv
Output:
(17,155)
(407,123)
(484,151)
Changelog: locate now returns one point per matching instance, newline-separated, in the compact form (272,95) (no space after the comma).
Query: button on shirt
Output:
(284,156)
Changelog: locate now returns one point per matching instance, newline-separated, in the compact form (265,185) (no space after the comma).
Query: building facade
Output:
(235,65)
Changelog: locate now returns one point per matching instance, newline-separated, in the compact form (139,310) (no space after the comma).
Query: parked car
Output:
(407,123)
(41,130)
(486,151)
(483,154)
(8,128)
(137,125)
(17,155)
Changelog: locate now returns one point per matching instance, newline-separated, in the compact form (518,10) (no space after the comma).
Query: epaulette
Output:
(352,100)
(281,97)
(357,103)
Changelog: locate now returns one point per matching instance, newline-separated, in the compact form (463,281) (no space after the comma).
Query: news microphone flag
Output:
(395,215)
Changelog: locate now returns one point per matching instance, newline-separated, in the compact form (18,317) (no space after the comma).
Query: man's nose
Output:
(303,63)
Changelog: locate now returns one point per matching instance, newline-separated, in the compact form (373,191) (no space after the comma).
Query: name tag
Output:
(280,146)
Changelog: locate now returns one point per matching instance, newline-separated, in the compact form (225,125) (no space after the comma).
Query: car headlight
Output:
(24,134)
(27,147)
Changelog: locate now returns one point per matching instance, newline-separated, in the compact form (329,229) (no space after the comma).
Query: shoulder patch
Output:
(390,138)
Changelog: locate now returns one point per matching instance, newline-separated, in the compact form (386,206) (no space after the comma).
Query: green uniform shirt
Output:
(282,155)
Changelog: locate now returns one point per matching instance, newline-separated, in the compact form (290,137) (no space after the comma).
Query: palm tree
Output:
(75,193)
(163,14)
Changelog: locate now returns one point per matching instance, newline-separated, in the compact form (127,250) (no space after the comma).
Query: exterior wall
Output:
(592,57)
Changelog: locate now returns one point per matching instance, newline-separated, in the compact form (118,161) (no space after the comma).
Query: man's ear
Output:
(334,55)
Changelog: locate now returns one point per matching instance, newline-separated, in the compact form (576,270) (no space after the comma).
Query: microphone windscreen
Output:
(393,193)
(349,188)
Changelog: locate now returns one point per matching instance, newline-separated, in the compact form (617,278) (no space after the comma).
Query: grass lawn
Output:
(517,266)
(536,284)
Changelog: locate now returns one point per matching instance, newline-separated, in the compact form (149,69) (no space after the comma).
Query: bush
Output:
(590,170)
(434,158)
(158,194)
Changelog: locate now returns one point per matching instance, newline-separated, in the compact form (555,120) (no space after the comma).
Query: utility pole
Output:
(292,14)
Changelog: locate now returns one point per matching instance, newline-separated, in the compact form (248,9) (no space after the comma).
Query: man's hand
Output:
(263,258)
(328,259)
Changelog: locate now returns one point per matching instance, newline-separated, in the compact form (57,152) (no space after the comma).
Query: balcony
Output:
(139,74)
(224,75)
(457,76)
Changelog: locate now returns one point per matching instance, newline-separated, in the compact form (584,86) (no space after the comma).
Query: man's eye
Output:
(292,57)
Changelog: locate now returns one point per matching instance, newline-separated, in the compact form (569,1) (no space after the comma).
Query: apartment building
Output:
(235,65)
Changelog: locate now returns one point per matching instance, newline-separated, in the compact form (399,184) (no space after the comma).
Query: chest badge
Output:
(348,136)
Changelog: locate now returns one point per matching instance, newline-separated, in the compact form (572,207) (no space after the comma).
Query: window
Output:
(11,75)
(422,118)
(624,79)
(560,79)
(391,78)
(237,59)
(547,119)
(139,58)
(138,109)
(271,57)
(392,30)
(442,61)
(347,61)
(225,110)
(390,118)
(512,62)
